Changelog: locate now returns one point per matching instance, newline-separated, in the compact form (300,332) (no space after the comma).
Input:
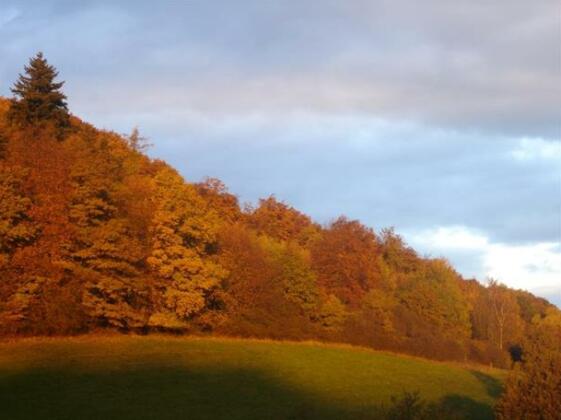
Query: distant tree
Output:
(137,142)
(225,204)
(345,260)
(433,293)
(396,254)
(37,96)
(281,221)
(294,273)
(332,312)
(505,313)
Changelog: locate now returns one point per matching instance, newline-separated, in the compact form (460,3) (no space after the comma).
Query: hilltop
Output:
(96,235)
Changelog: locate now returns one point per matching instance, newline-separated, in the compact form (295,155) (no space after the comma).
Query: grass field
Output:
(159,377)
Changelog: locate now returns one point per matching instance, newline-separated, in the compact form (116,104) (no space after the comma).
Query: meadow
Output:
(162,377)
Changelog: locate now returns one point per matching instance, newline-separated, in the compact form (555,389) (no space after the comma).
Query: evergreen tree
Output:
(38,98)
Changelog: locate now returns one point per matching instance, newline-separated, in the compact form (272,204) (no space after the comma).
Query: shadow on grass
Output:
(171,392)
(461,407)
(492,385)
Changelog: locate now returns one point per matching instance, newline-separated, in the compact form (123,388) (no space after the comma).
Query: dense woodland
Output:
(95,235)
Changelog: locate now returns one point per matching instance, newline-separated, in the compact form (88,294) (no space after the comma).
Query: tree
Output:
(217,197)
(183,234)
(103,251)
(533,388)
(3,144)
(294,273)
(16,228)
(505,318)
(345,260)
(433,294)
(280,221)
(138,142)
(38,98)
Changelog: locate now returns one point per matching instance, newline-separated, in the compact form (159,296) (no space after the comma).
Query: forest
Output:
(96,235)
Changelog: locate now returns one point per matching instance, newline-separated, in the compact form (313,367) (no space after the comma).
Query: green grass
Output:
(159,377)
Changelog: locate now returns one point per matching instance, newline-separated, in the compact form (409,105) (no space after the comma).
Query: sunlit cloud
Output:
(535,267)
(537,148)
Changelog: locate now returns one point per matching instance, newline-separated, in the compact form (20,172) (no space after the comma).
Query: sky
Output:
(441,119)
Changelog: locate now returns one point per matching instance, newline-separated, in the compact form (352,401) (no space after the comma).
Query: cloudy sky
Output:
(440,118)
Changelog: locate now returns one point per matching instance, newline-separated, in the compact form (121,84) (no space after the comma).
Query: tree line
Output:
(96,235)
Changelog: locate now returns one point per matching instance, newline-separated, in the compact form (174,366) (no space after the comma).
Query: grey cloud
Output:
(491,66)
(382,172)
(394,112)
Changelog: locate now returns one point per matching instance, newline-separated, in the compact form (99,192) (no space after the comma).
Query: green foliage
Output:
(378,307)
(433,293)
(332,313)
(295,274)
(38,98)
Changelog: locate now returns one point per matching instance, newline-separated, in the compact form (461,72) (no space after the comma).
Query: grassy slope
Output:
(163,377)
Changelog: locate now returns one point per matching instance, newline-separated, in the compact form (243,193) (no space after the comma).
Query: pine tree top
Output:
(37,96)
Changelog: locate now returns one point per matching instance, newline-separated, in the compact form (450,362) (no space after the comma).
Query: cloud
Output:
(383,172)
(535,267)
(417,115)
(537,149)
(437,64)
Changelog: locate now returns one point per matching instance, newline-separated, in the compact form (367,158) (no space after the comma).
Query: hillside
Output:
(96,235)
(162,377)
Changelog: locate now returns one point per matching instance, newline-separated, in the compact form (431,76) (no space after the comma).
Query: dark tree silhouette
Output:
(37,97)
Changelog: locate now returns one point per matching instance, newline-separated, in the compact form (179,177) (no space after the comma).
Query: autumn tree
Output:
(220,200)
(16,230)
(504,317)
(102,251)
(298,280)
(345,260)
(432,313)
(183,234)
(253,298)
(38,97)
(533,388)
(16,227)
(281,221)
(399,257)
(3,145)
(137,142)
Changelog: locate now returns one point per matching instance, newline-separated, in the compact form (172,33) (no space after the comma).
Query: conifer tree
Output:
(37,97)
